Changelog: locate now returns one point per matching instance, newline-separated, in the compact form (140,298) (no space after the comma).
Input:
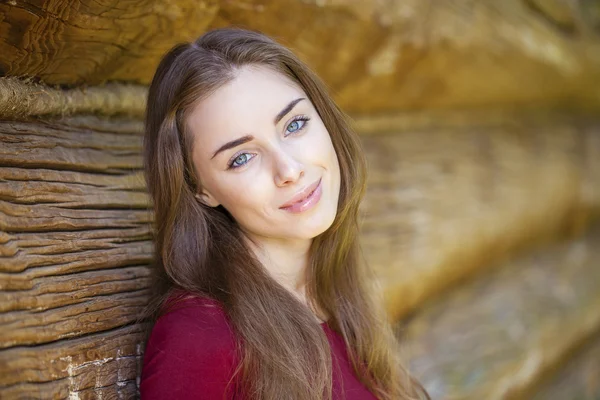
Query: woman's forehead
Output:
(250,100)
(253,88)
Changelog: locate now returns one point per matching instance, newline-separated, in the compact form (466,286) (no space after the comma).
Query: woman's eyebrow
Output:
(247,138)
(286,110)
(232,144)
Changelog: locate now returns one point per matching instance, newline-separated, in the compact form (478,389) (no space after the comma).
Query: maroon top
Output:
(190,354)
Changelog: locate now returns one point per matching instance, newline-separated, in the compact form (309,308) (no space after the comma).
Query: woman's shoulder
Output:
(187,318)
(191,349)
(183,305)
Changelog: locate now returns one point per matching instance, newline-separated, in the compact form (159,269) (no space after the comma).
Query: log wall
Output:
(481,126)
(413,54)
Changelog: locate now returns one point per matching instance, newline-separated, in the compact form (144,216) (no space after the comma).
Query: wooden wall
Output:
(481,128)
(375,55)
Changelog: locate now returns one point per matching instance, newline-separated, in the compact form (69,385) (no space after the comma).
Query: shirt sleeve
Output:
(190,354)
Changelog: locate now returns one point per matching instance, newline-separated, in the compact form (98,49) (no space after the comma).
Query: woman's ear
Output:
(207,199)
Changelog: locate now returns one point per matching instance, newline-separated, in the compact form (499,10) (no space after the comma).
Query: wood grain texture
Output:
(101,38)
(75,229)
(20,99)
(413,54)
(101,363)
(496,336)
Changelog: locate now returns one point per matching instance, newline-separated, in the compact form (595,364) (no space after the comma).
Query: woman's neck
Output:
(287,262)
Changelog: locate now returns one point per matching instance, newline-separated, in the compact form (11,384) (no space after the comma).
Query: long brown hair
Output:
(284,352)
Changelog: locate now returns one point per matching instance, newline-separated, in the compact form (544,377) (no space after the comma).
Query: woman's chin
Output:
(313,227)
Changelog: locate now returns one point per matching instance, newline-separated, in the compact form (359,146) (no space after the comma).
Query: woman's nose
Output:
(287,169)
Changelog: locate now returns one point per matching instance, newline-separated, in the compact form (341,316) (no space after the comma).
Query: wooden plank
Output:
(112,99)
(412,54)
(81,251)
(499,334)
(106,361)
(57,147)
(94,314)
(40,218)
(48,292)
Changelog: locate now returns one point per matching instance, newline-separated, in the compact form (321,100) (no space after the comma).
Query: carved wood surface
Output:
(75,230)
(105,363)
(412,54)
(20,99)
(497,335)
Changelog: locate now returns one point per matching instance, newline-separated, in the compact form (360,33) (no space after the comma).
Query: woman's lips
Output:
(306,203)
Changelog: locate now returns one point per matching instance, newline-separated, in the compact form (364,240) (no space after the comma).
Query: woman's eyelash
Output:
(232,161)
(297,118)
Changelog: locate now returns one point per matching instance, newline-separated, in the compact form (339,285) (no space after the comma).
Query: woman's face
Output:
(259,144)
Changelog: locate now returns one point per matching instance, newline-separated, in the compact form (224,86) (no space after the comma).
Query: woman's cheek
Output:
(321,146)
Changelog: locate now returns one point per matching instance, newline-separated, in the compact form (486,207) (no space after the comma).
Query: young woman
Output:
(256,180)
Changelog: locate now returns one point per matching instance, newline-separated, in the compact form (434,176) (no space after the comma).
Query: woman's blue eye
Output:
(297,124)
(240,160)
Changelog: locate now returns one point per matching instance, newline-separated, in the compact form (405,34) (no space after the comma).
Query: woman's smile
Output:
(302,201)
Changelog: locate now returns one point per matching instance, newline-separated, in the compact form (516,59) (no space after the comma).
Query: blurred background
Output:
(481,124)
